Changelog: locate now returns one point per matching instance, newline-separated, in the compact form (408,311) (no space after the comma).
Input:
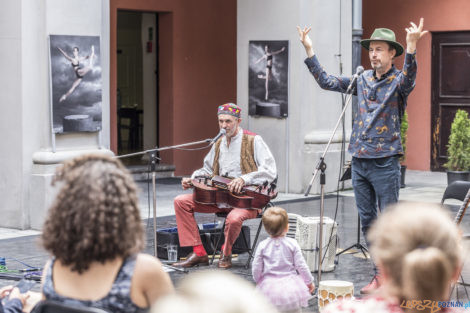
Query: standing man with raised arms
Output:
(375,142)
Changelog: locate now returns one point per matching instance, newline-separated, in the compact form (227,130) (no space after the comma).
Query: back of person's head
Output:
(95,216)
(275,221)
(417,246)
(214,291)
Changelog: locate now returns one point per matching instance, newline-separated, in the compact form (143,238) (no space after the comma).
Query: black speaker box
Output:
(169,236)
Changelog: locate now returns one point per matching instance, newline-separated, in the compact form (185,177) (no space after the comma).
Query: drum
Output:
(332,290)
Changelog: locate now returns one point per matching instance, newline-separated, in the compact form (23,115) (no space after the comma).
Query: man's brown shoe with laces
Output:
(225,261)
(193,260)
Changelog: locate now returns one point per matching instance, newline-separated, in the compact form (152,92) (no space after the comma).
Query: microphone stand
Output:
(321,166)
(153,161)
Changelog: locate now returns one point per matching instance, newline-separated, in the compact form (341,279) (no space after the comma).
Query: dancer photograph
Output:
(76,83)
(268,56)
(268,78)
(80,71)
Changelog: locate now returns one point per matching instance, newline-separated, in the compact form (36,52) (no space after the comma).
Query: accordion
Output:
(307,234)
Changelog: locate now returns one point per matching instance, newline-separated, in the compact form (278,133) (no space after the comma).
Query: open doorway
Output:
(137,82)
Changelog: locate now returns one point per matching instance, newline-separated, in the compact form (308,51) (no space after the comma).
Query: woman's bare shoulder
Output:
(147,260)
(151,277)
(148,267)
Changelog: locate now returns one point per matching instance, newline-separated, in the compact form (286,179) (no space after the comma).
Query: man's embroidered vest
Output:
(247,154)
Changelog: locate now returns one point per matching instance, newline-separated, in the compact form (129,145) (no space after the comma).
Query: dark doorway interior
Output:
(450,89)
(137,92)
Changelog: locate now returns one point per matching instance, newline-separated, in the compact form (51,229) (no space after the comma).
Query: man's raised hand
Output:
(413,34)
(305,40)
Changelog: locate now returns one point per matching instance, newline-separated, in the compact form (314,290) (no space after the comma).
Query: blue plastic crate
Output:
(170,230)
(209,225)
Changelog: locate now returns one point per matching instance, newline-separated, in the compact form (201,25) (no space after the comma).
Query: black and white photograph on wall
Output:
(268,78)
(76,83)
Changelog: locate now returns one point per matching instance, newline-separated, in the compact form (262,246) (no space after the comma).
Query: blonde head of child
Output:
(275,221)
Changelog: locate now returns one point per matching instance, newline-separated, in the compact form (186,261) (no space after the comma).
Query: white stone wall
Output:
(298,141)
(11,117)
(27,161)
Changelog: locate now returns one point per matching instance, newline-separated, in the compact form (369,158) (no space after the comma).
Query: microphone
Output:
(359,71)
(220,134)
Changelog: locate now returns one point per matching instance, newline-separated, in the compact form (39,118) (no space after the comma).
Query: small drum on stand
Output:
(332,290)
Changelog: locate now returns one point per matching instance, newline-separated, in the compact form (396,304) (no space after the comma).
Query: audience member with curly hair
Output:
(94,233)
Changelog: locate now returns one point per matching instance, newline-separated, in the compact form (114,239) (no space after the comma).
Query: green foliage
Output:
(458,149)
(404,135)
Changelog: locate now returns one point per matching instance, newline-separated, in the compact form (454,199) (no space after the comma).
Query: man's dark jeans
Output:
(376,183)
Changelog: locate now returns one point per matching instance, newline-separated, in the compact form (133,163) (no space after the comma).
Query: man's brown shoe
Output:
(193,260)
(225,261)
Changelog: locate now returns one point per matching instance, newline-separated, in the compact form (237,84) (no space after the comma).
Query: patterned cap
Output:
(230,109)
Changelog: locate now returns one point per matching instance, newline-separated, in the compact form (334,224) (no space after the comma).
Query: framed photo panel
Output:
(268,78)
(75,73)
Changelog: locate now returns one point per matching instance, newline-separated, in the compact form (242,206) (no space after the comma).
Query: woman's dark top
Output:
(117,300)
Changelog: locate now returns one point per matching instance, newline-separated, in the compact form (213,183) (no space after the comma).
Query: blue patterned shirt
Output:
(381,104)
